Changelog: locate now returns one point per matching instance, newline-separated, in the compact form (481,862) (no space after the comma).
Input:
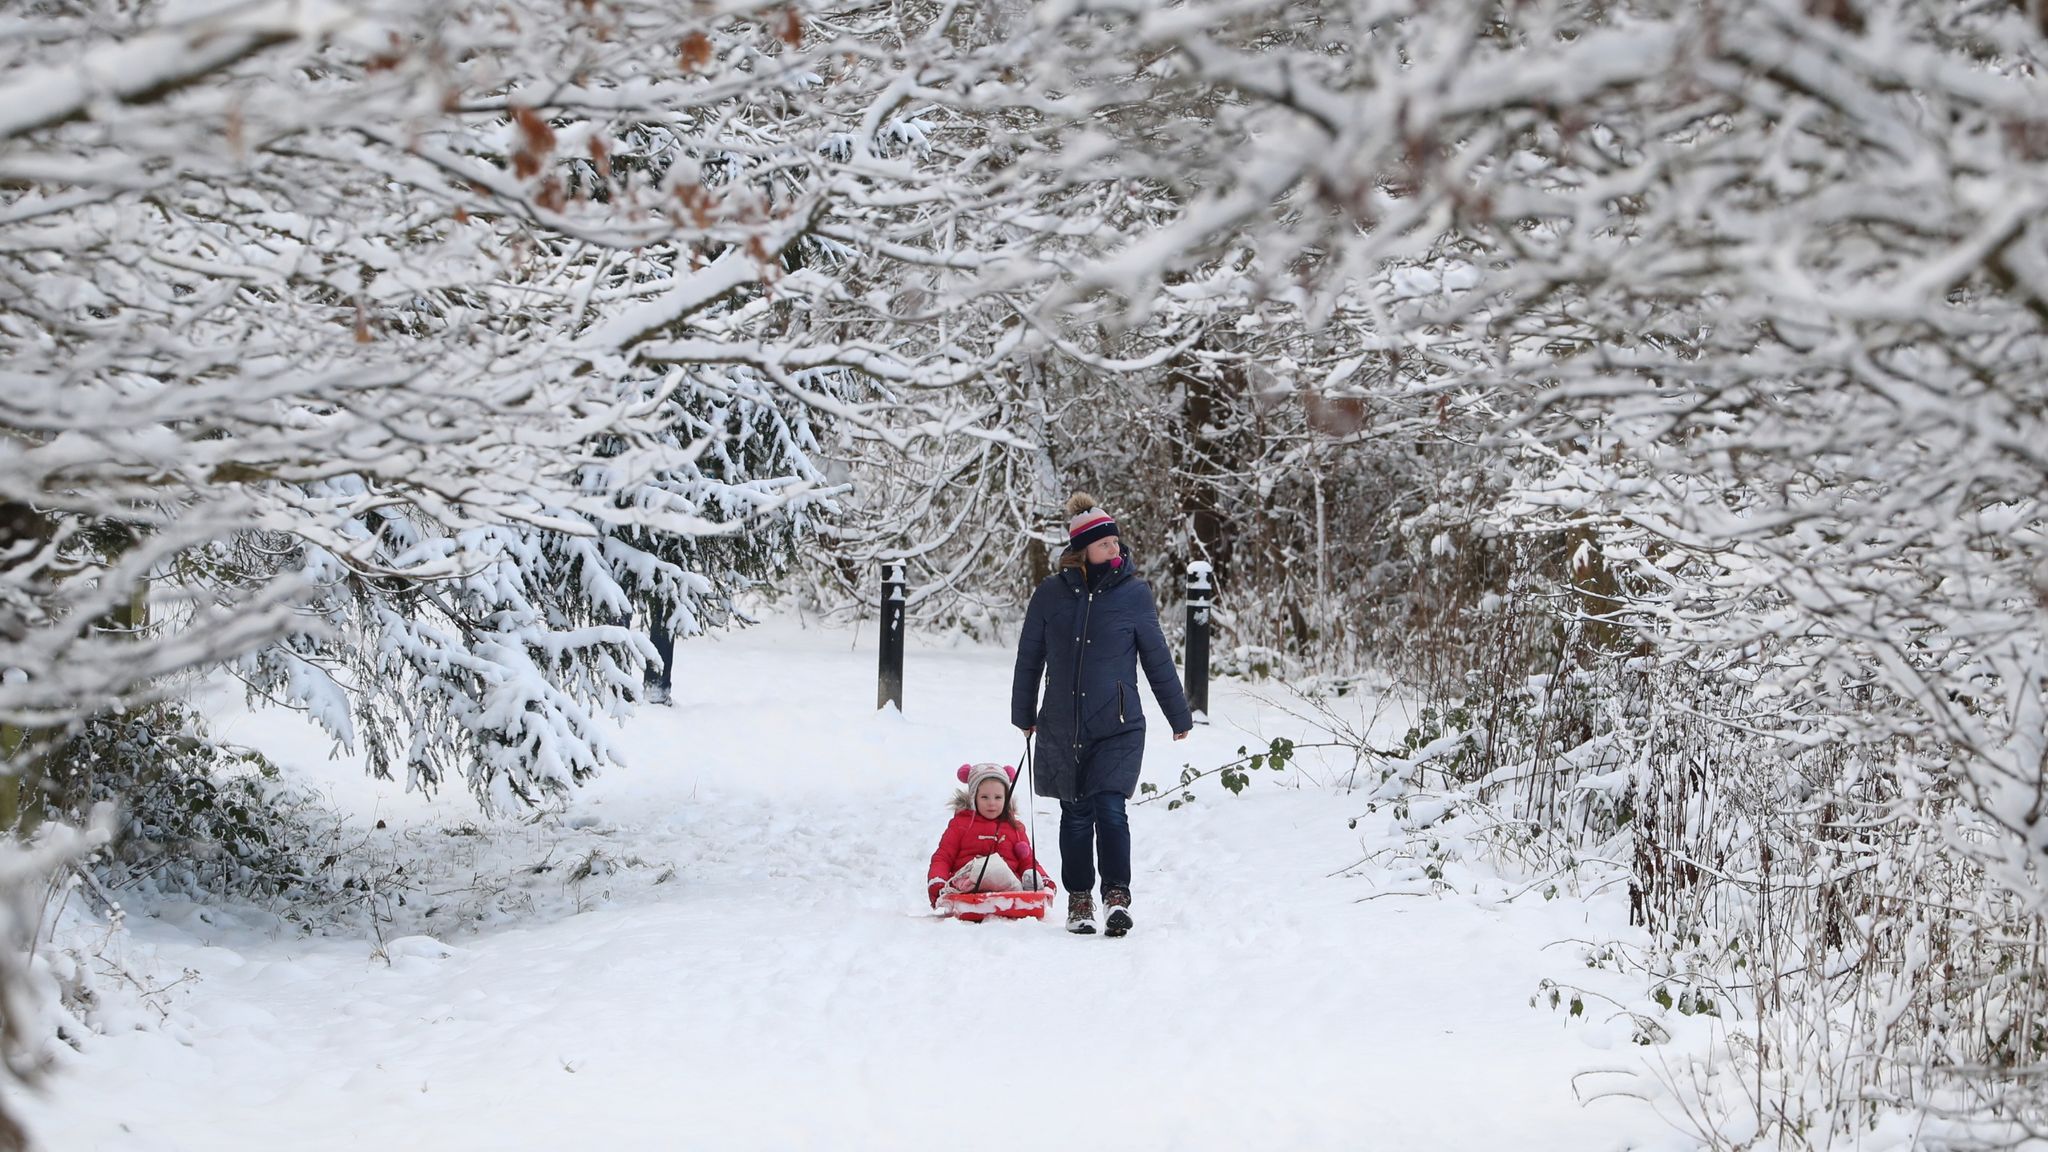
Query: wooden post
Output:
(1199,591)
(890,689)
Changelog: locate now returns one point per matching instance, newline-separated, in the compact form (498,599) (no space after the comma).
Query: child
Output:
(984,848)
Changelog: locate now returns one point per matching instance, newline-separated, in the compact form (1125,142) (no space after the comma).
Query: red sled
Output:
(974,906)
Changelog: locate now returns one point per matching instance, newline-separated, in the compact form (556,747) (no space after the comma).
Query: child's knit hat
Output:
(1087,522)
(973,774)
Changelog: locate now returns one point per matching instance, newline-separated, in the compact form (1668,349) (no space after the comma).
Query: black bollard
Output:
(890,689)
(1199,591)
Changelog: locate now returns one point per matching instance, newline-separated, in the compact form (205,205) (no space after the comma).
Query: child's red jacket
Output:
(968,836)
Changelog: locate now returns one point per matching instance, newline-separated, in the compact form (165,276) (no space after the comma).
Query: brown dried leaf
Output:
(1839,12)
(694,53)
(792,30)
(534,128)
(388,59)
(537,142)
(771,267)
(697,202)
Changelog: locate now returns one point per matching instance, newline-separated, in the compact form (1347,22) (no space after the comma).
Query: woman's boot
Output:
(1081,913)
(1118,901)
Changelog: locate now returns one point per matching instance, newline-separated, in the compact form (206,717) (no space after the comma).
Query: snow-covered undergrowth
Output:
(726,945)
(1811,910)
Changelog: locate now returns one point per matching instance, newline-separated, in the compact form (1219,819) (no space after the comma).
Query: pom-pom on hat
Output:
(1087,522)
(973,774)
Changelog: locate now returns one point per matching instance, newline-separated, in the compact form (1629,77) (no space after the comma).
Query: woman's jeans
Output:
(1091,826)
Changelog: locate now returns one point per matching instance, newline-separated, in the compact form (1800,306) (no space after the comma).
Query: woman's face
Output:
(1103,551)
(988,799)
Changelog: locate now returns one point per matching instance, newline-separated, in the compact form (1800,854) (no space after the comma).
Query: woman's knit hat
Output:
(973,774)
(1087,522)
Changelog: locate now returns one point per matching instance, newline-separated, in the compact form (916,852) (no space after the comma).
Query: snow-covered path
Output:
(788,988)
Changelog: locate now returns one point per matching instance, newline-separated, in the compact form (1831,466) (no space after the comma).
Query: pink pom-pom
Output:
(965,771)
(1010,770)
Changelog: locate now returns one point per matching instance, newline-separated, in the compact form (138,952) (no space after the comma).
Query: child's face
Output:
(989,798)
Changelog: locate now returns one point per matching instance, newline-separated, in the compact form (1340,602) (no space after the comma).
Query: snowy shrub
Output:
(194,817)
(1807,892)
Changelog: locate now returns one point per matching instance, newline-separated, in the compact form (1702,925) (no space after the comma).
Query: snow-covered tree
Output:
(396,355)
(1745,300)
(1782,256)
(399,353)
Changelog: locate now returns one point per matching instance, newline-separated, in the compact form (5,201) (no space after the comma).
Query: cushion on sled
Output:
(1003,905)
(985,874)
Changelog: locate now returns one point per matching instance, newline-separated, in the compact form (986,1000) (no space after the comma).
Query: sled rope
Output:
(1031,809)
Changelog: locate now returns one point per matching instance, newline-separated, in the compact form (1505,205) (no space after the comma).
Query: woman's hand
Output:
(1028,731)
(1180,735)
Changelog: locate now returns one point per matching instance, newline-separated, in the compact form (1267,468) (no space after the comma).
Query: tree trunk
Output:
(1208,397)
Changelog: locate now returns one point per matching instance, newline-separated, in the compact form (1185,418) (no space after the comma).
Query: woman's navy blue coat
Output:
(1087,645)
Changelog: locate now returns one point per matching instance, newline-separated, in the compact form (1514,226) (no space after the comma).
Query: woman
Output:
(1088,626)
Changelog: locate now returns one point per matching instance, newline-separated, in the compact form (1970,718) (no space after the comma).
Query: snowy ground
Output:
(726,946)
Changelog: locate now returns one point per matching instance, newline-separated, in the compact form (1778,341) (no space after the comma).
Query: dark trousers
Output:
(1091,828)
(664,643)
